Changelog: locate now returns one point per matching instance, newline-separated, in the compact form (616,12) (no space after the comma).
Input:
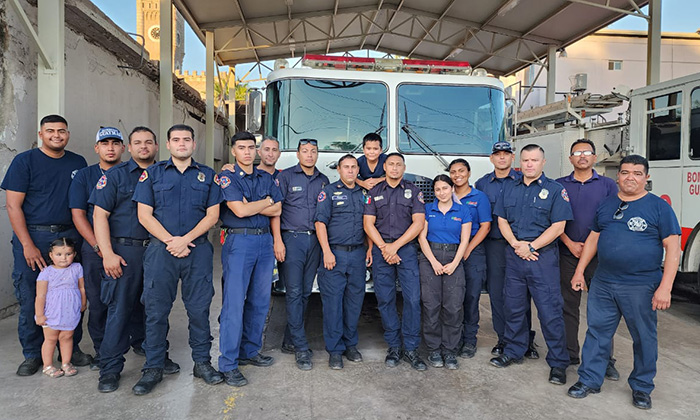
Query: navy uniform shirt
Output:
(531,209)
(300,196)
(179,200)
(365,172)
(45,182)
(113,193)
(585,198)
(479,208)
(237,185)
(492,186)
(446,228)
(340,208)
(83,185)
(394,207)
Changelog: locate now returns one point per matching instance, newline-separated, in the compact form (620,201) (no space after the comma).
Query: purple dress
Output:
(63,300)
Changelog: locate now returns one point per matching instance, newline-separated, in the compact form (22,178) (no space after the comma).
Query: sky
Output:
(676,16)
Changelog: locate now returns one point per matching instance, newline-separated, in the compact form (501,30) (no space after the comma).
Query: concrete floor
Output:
(366,390)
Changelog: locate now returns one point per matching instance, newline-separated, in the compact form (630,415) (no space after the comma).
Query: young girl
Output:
(60,298)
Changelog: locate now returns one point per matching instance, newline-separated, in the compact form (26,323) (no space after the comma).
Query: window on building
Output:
(694,151)
(664,127)
(615,65)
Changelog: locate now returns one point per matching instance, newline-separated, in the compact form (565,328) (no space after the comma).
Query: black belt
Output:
(443,247)
(303,232)
(49,228)
(496,239)
(132,242)
(247,231)
(346,248)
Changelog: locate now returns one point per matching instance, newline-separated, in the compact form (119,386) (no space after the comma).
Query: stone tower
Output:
(148,25)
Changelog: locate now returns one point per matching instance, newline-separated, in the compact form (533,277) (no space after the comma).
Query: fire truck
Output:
(430,111)
(661,122)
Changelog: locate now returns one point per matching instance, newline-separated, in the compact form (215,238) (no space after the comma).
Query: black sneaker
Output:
(504,360)
(150,378)
(80,359)
(170,367)
(611,372)
(108,383)
(641,400)
(532,352)
(352,354)
(414,359)
(29,367)
(435,359)
(497,350)
(95,364)
(139,351)
(303,360)
(257,360)
(557,376)
(393,357)
(579,390)
(205,371)
(450,361)
(290,349)
(467,351)
(335,361)
(234,378)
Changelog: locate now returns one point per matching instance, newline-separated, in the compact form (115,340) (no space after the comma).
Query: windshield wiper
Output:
(377,131)
(412,134)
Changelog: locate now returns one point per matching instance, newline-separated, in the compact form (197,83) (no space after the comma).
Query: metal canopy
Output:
(502,36)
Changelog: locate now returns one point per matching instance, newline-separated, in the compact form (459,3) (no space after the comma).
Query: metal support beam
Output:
(551,74)
(654,43)
(166,74)
(211,122)
(51,79)
(43,55)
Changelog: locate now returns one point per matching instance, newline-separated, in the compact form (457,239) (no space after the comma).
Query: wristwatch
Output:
(532,250)
(96,248)
(272,201)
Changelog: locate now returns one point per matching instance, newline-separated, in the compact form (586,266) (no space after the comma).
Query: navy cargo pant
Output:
(342,293)
(298,272)
(496,277)
(607,302)
(475,275)
(31,336)
(541,279)
(97,311)
(385,290)
(162,272)
(124,310)
(247,262)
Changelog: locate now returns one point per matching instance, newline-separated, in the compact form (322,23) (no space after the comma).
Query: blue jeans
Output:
(607,302)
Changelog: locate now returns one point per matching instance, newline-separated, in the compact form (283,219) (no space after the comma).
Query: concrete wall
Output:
(97,93)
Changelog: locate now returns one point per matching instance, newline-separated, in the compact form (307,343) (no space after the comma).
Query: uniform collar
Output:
(238,170)
(402,184)
(434,207)
(513,174)
(539,181)
(339,185)
(571,178)
(298,169)
(131,165)
(193,164)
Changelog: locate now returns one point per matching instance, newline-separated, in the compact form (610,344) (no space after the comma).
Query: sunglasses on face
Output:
(582,153)
(620,210)
(499,147)
(312,142)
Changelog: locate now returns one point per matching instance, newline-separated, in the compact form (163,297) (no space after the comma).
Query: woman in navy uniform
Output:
(443,242)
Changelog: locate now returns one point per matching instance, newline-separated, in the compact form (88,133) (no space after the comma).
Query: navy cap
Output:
(502,146)
(106,133)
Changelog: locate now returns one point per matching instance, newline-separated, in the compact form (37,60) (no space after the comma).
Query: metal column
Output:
(166,74)
(51,77)
(654,43)
(551,74)
(211,121)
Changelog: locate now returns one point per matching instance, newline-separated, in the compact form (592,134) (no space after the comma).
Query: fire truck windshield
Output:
(336,113)
(450,119)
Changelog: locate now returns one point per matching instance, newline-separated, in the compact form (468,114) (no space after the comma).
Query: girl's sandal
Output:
(52,372)
(69,369)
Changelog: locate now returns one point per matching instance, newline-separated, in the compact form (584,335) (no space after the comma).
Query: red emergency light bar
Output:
(388,65)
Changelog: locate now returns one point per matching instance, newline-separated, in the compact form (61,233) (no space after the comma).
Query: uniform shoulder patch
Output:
(565,195)
(101,182)
(144,176)
(420,197)
(368,199)
(224,181)
(321,196)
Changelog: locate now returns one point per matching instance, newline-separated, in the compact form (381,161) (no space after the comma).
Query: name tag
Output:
(379,197)
(297,189)
(339,197)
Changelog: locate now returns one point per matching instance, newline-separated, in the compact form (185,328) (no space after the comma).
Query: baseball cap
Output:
(502,146)
(105,133)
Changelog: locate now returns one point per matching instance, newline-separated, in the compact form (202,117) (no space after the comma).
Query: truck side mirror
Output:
(510,117)
(253,110)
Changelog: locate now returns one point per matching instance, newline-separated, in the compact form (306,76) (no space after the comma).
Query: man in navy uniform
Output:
(247,258)
(296,244)
(532,213)
(341,279)
(37,184)
(394,216)
(109,146)
(631,230)
(492,184)
(122,241)
(178,202)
